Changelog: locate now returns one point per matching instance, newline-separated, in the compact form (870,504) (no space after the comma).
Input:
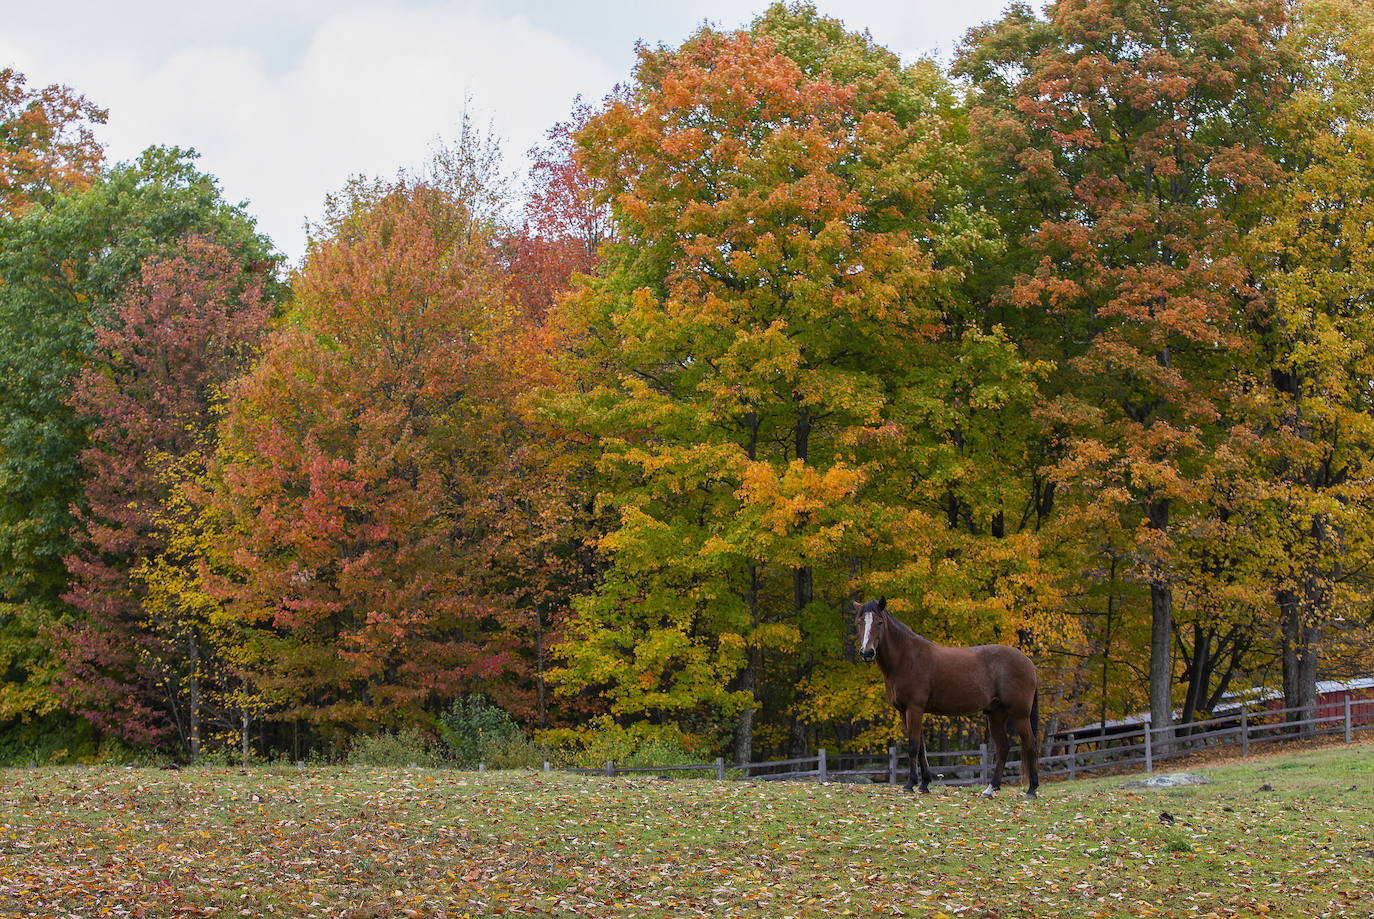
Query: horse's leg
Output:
(925,767)
(997,733)
(1030,753)
(916,750)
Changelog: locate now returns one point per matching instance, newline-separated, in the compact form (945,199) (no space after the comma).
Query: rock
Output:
(1169,780)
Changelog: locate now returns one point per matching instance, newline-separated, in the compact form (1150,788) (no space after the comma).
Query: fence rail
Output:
(1144,745)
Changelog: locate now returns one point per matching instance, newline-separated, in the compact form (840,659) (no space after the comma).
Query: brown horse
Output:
(923,677)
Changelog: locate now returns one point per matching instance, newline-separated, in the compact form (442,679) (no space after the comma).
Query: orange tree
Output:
(365,475)
(47,145)
(777,345)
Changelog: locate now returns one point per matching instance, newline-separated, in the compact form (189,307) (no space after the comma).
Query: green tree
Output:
(63,268)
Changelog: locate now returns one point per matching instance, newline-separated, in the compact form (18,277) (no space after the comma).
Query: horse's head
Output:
(870,622)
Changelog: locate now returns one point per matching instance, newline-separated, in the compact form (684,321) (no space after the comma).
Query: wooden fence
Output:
(1144,745)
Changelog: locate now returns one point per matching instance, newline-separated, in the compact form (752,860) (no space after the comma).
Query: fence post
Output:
(983,761)
(1244,732)
(1073,757)
(821,774)
(892,765)
(610,769)
(1348,732)
(720,768)
(1149,752)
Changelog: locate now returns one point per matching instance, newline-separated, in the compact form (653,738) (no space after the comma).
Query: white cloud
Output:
(284,99)
(368,93)
(918,27)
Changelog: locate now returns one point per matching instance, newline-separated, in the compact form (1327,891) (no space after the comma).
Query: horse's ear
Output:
(882,603)
(857,605)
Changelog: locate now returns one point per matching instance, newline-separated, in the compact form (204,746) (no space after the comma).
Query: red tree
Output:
(178,336)
(564,221)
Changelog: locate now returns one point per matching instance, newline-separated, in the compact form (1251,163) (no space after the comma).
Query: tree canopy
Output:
(1062,345)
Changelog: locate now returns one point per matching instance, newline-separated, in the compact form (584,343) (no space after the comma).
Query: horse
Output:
(923,677)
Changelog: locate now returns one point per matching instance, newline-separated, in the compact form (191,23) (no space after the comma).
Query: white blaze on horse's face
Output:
(867,650)
(870,623)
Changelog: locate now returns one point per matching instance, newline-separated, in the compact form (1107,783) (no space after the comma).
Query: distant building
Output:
(1331,697)
(1331,700)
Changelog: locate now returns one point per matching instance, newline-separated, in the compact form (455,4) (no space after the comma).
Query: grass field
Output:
(91,842)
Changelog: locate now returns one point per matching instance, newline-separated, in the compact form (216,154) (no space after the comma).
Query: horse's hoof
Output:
(1031,795)
(908,787)
(925,789)
(989,792)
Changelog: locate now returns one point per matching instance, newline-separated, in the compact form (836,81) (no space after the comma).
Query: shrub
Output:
(641,744)
(518,752)
(406,747)
(476,731)
(50,740)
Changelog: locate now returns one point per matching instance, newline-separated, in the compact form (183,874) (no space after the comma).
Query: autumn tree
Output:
(47,143)
(564,223)
(786,256)
(1128,143)
(1310,504)
(358,466)
(148,394)
(63,269)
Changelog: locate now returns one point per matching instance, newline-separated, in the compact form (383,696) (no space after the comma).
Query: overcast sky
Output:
(284,99)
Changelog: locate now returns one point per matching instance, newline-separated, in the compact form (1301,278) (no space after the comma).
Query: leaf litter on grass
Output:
(363,843)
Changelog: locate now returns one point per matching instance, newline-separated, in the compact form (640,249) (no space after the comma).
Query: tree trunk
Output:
(801,577)
(543,711)
(1299,661)
(193,691)
(1161,636)
(744,726)
(748,677)
(1107,639)
(1199,672)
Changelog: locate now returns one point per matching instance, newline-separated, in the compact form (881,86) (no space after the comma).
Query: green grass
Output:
(93,842)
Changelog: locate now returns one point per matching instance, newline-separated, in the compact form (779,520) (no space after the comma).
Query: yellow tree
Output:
(1310,505)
